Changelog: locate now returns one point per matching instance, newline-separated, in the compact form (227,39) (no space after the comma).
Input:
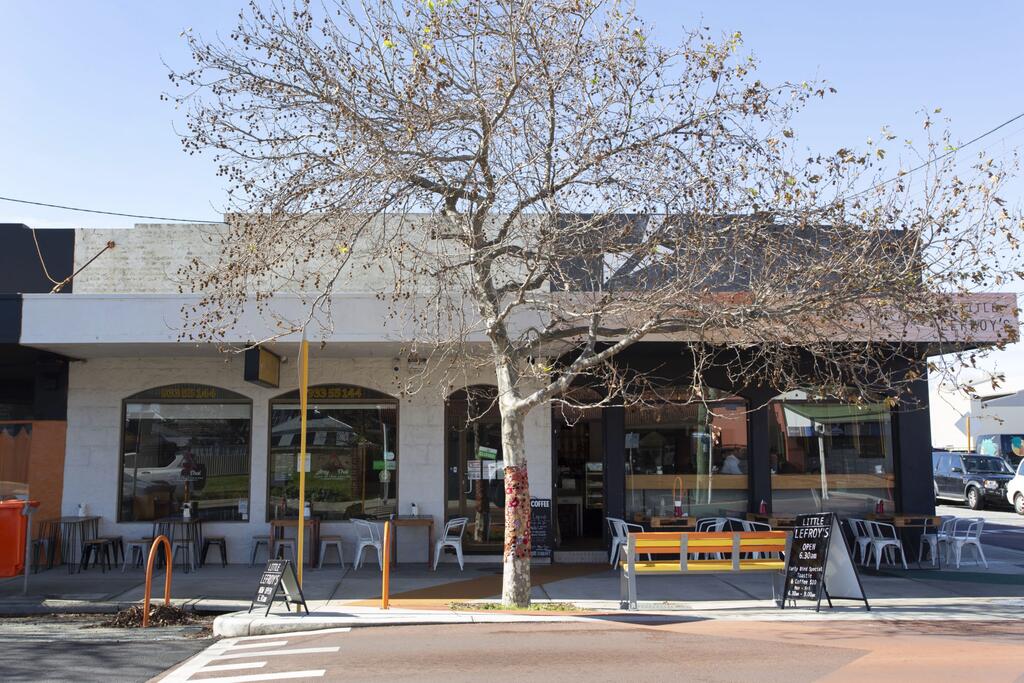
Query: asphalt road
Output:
(62,648)
(1003,527)
(614,650)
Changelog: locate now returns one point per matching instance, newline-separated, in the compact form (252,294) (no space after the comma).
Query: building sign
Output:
(187,392)
(278,575)
(262,367)
(487,453)
(813,565)
(335,391)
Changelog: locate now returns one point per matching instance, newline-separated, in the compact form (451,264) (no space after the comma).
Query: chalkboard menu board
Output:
(813,564)
(805,565)
(541,536)
(278,574)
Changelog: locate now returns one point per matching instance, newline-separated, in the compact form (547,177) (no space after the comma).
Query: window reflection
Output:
(830,456)
(700,446)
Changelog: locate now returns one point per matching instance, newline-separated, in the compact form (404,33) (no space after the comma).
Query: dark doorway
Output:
(579,477)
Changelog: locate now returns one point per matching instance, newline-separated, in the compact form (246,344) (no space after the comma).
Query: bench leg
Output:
(632,591)
(623,590)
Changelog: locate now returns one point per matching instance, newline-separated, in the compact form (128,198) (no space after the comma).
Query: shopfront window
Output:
(475,467)
(700,446)
(830,456)
(185,443)
(352,440)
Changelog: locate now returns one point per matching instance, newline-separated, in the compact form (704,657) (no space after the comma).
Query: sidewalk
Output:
(339,597)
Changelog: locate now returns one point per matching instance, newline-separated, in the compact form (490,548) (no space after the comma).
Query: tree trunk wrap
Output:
(516,582)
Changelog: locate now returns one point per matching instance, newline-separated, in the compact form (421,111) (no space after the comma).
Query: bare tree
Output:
(543,186)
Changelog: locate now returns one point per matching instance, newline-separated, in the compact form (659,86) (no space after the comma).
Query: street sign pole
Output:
(303,397)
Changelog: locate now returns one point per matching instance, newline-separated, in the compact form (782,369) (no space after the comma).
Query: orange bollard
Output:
(149,576)
(387,566)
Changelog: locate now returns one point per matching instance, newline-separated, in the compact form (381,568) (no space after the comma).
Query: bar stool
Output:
(137,548)
(37,545)
(328,542)
(254,548)
(283,543)
(222,548)
(99,549)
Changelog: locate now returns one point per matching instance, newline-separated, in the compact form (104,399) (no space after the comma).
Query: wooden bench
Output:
(689,552)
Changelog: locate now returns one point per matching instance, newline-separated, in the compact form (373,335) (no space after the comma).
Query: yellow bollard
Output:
(387,566)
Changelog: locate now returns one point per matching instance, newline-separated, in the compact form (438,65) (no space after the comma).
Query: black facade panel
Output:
(22,265)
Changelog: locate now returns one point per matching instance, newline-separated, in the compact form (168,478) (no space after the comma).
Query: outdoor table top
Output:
(71,519)
(673,522)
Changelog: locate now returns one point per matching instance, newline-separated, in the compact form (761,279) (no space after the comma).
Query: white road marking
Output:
(274,653)
(232,667)
(312,673)
(296,634)
(273,643)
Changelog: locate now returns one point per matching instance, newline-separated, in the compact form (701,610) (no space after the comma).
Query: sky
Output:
(82,123)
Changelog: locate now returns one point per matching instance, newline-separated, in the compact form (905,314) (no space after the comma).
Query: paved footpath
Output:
(617,650)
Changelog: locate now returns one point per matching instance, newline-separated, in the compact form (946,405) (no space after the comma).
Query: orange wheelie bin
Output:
(13,530)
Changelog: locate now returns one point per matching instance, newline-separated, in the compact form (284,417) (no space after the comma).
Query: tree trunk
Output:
(515,590)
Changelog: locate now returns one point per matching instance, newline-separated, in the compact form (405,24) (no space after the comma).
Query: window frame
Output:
(231,397)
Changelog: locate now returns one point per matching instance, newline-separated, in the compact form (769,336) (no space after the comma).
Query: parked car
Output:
(970,478)
(1015,490)
(1009,447)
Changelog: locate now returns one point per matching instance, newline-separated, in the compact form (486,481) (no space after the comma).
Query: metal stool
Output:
(186,546)
(137,548)
(37,545)
(327,542)
(99,550)
(254,548)
(283,543)
(222,548)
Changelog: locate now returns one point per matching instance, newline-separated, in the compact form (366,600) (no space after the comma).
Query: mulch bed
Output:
(159,615)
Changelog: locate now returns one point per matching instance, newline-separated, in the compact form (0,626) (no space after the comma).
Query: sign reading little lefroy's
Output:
(278,574)
(814,564)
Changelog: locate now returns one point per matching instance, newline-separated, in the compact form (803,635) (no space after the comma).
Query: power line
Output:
(106,213)
(951,152)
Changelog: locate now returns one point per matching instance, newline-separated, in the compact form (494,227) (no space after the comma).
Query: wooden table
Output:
(177,529)
(780,522)
(674,523)
(411,521)
(277,527)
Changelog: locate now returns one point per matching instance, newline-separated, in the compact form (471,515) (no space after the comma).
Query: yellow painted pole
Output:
(968,432)
(385,589)
(303,403)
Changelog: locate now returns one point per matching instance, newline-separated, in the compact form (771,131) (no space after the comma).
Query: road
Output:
(1003,526)
(73,648)
(615,650)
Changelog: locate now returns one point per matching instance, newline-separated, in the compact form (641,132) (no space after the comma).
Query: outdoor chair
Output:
(254,547)
(368,536)
(99,550)
(40,544)
(861,538)
(885,540)
(451,538)
(220,543)
(934,540)
(620,529)
(966,532)
(330,542)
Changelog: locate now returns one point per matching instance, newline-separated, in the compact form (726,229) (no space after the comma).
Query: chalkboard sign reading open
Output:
(818,559)
(278,575)
(541,538)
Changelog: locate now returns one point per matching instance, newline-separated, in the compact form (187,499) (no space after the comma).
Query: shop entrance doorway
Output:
(579,478)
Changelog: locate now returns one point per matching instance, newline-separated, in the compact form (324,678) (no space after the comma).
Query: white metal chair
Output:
(620,529)
(934,540)
(748,525)
(861,537)
(884,539)
(451,538)
(368,536)
(967,532)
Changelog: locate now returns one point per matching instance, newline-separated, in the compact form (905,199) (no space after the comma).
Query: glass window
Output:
(475,467)
(701,446)
(830,456)
(353,448)
(981,464)
(181,450)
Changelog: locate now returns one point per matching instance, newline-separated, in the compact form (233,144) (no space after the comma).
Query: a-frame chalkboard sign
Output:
(816,568)
(279,574)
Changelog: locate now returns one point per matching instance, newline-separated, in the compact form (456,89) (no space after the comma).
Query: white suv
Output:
(1015,490)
